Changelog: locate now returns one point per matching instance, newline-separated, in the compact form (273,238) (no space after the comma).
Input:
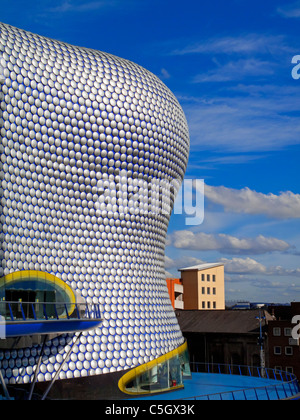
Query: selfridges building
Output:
(93,151)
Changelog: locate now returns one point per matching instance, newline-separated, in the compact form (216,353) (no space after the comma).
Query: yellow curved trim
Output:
(54,281)
(139,370)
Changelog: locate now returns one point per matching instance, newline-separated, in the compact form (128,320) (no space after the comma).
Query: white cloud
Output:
(243,266)
(180,262)
(281,271)
(290,11)
(164,74)
(283,206)
(236,269)
(243,44)
(252,122)
(186,239)
(80,6)
(249,266)
(257,117)
(236,70)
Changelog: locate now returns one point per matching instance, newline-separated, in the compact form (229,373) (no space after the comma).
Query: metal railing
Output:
(48,311)
(287,387)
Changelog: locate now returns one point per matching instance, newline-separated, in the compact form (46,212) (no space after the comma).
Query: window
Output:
(203,305)
(208,305)
(158,375)
(276,332)
(288,332)
(203,277)
(289,369)
(214,291)
(208,290)
(31,296)
(215,305)
(289,351)
(203,290)
(214,278)
(277,350)
(208,277)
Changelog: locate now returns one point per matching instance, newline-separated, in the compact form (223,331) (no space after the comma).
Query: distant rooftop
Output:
(228,322)
(201,267)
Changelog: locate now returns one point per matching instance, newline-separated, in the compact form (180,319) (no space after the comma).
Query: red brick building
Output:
(284,350)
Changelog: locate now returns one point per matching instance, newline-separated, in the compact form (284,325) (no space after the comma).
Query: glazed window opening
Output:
(166,373)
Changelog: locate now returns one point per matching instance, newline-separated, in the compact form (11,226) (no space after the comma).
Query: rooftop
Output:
(234,383)
(201,267)
(220,321)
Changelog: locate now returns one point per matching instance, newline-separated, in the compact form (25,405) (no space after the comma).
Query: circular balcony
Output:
(21,319)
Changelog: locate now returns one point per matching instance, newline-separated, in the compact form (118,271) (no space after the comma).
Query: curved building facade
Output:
(93,151)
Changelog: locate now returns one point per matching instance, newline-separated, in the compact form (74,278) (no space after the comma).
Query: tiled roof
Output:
(220,321)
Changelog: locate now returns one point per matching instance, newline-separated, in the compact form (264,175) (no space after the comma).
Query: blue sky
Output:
(229,64)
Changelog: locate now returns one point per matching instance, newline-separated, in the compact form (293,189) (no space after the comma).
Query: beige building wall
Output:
(204,288)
